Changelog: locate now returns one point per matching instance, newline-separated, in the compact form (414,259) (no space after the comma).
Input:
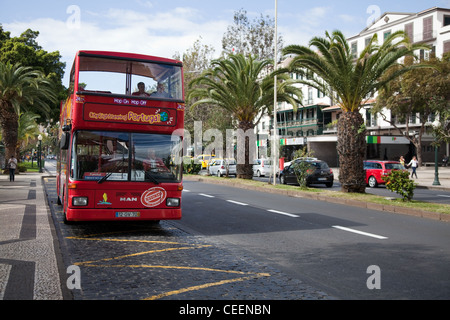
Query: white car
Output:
(218,167)
(262,167)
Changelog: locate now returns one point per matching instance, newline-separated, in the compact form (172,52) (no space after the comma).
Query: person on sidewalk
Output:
(12,165)
(402,160)
(414,164)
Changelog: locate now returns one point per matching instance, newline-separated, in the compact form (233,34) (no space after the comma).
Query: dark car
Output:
(375,169)
(318,173)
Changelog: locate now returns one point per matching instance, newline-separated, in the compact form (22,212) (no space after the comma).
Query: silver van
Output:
(262,167)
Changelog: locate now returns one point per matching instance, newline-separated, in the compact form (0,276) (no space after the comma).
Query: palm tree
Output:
(28,129)
(236,84)
(20,88)
(349,80)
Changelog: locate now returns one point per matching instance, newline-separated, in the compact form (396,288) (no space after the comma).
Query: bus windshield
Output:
(120,156)
(134,78)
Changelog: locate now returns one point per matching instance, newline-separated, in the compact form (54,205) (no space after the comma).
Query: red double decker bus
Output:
(121,138)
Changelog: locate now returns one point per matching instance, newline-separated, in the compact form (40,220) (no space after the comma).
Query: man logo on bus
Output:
(153,197)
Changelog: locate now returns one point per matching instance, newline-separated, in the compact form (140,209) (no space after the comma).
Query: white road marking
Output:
(206,195)
(284,213)
(237,202)
(443,195)
(360,232)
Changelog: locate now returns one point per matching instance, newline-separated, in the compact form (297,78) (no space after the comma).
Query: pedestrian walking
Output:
(402,160)
(12,165)
(414,164)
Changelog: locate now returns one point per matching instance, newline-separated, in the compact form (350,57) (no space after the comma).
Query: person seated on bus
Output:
(154,163)
(141,90)
(160,91)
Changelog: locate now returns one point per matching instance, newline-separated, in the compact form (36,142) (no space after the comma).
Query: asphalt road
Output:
(346,252)
(349,252)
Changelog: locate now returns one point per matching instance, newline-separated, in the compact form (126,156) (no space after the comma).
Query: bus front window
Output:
(118,156)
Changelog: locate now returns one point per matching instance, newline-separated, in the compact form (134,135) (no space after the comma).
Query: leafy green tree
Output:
(21,88)
(235,84)
(255,37)
(196,60)
(25,50)
(333,69)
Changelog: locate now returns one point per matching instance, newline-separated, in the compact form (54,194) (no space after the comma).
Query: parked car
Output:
(302,158)
(219,167)
(375,169)
(262,167)
(318,173)
(204,159)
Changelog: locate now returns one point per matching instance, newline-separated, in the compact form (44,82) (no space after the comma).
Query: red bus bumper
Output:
(123,215)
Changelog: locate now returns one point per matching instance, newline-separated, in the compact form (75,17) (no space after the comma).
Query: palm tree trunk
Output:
(245,170)
(9,125)
(351,147)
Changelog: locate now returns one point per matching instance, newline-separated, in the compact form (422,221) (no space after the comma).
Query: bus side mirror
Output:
(64,142)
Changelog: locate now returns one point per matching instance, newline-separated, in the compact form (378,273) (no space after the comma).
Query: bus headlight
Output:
(173,202)
(80,201)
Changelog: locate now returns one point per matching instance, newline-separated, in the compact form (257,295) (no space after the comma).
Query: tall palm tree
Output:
(236,84)
(349,80)
(20,88)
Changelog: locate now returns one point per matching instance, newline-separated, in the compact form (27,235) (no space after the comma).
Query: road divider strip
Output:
(361,232)
(284,213)
(206,195)
(237,202)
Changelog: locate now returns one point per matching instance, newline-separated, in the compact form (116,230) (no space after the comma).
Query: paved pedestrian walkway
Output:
(28,265)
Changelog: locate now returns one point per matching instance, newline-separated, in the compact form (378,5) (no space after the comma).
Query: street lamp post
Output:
(39,153)
(436,182)
(275,133)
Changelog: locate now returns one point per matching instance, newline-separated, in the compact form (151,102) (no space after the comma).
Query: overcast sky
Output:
(162,28)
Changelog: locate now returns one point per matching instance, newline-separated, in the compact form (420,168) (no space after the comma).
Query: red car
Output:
(375,169)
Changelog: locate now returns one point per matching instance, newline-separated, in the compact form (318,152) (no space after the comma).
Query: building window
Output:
(386,34)
(428,28)
(446,21)
(409,30)
(447,46)
(354,50)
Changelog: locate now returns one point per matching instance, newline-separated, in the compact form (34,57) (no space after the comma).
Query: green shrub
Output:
(302,168)
(190,167)
(398,181)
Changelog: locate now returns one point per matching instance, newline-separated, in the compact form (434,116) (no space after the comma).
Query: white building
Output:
(313,123)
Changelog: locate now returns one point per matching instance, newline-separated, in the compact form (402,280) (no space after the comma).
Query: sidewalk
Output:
(425,177)
(28,263)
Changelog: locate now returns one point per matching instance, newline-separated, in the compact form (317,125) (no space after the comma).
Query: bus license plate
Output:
(128,214)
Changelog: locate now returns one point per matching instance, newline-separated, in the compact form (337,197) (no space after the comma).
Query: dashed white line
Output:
(237,202)
(361,232)
(206,195)
(284,213)
(443,195)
